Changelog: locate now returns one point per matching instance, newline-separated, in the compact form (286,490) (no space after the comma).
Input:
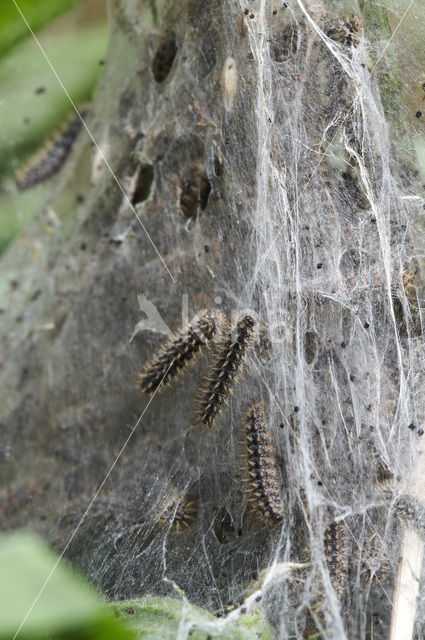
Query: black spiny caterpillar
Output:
(263,476)
(178,352)
(336,554)
(178,513)
(225,367)
(50,159)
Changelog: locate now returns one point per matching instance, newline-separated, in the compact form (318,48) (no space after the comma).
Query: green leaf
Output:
(33,100)
(17,210)
(169,618)
(28,118)
(37,13)
(67,604)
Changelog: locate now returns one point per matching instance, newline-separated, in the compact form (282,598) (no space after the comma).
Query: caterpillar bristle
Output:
(262,478)
(225,367)
(179,351)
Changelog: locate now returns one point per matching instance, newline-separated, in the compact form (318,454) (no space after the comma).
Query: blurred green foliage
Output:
(66,607)
(17,209)
(37,13)
(43,598)
(162,618)
(33,103)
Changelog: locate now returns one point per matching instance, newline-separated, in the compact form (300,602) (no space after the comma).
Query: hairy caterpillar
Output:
(49,160)
(178,513)
(176,353)
(335,544)
(263,476)
(225,367)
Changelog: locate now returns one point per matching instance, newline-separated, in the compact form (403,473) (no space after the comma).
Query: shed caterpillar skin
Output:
(336,556)
(178,513)
(376,561)
(50,159)
(263,345)
(178,352)
(225,367)
(344,31)
(263,476)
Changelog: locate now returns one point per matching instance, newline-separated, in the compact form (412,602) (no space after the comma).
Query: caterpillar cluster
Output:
(262,474)
(49,160)
(263,479)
